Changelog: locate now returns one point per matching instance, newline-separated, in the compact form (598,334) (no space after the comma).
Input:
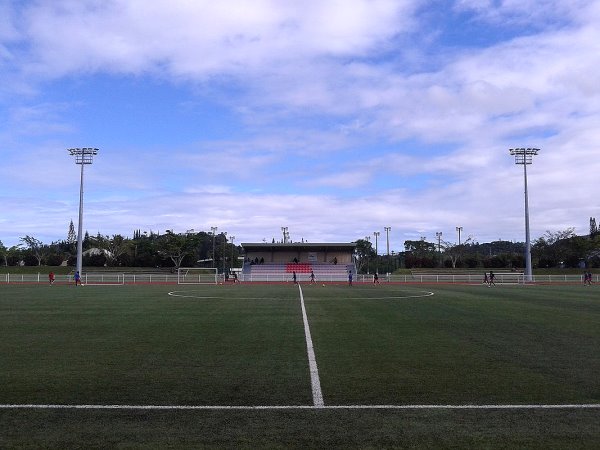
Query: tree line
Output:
(559,249)
(192,249)
(145,249)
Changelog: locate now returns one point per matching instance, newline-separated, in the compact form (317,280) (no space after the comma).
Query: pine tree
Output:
(71,236)
(593,227)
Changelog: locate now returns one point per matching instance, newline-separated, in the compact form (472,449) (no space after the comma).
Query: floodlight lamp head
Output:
(524,151)
(524,155)
(83,155)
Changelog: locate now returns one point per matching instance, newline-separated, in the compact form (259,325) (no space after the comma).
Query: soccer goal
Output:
(197,275)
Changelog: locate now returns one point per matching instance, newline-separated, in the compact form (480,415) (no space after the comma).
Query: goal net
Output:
(197,275)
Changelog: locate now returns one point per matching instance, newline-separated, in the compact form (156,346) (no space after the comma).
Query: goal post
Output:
(197,275)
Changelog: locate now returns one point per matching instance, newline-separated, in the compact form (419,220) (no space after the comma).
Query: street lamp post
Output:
(224,258)
(376,234)
(213,231)
(438,235)
(387,241)
(368,239)
(524,157)
(82,156)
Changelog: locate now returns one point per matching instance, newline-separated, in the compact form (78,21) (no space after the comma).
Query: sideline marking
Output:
(322,406)
(312,361)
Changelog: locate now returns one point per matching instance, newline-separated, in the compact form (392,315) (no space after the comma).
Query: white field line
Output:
(312,361)
(291,407)
(422,295)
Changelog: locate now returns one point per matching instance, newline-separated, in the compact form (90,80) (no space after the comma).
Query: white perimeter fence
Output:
(144,278)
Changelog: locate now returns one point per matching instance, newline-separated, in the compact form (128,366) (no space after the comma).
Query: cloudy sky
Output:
(334,118)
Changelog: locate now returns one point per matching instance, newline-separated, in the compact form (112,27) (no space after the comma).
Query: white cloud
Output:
(201,39)
(324,93)
(344,180)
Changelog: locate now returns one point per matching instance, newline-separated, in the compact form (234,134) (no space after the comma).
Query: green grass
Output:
(374,346)
(463,345)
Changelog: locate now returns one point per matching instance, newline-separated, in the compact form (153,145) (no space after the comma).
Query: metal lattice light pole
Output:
(524,157)
(82,156)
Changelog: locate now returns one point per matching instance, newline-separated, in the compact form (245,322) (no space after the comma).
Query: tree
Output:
(144,251)
(419,253)
(174,246)
(71,236)
(552,249)
(86,241)
(420,248)
(456,251)
(201,244)
(114,248)
(593,228)
(363,253)
(4,253)
(36,247)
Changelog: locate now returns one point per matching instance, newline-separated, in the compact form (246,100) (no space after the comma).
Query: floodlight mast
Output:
(82,156)
(524,156)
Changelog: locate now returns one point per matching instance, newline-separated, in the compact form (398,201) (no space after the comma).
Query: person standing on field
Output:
(492,278)
(349,278)
(587,278)
(77,278)
(51,278)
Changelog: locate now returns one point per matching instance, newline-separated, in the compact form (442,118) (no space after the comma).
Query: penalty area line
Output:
(291,407)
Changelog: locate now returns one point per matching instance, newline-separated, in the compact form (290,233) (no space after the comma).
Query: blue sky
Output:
(334,118)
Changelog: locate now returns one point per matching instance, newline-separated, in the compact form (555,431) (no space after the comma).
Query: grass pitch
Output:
(244,346)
